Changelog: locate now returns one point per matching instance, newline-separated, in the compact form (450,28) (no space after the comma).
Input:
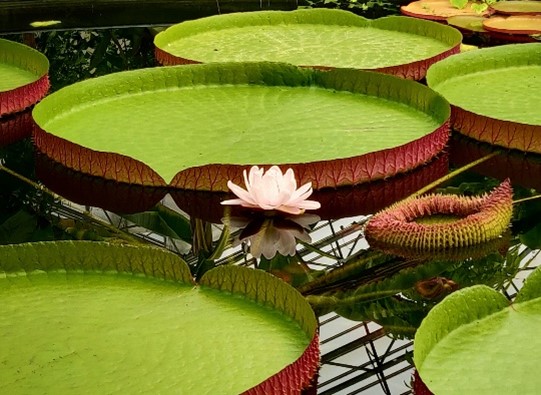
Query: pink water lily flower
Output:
(272,190)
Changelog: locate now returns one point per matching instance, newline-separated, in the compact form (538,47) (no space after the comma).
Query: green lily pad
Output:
(516,7)
(514,24)
(476,342)
(321,38)
(494,93)
(197,126)
(23,76)
(97,318)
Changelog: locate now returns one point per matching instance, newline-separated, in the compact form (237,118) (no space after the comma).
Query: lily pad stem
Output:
(454,173)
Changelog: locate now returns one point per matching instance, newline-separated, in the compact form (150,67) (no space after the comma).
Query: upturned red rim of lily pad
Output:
(24,76)
(140,292)
(442,222)
(139,127)
(358,42)
(494,94)
(81,188)
(335,203)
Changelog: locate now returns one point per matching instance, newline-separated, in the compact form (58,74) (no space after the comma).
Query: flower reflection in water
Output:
(268,235)
(272,190)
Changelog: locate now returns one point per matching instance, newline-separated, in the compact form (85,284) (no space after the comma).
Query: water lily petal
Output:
(253,178)
(289,181)
(302,193)
(241,193)
(309,205)
(293,210)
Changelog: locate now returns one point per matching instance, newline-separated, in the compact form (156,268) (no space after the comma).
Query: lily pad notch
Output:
(339,153)
(164,302)
(346,41)
(24,77)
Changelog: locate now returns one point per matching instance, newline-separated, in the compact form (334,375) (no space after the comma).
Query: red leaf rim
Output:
(328,174)
(296,376)
(506,134)
(94,191)
(335,203)
(214,177)
(15,127)
(110,166)
(18,99)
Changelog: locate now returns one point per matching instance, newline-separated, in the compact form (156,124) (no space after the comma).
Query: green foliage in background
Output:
(81,54)
(366,8)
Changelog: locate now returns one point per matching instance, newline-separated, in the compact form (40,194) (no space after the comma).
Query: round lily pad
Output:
(494,93)
(517,7)
(438,10)
(321,38)
(96,318)
(198,126)
(23,76)
(526,24)
(476,342)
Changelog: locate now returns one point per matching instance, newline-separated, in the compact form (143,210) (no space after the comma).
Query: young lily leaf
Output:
(474,341)
(23,76)
(322,38)
(93,317)
(200,125)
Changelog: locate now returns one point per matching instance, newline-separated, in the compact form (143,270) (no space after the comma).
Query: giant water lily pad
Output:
(317,38)
(197,126)
(515,24)
(476,342)
(23,76)
(517,7)
(96,318)
(495,94)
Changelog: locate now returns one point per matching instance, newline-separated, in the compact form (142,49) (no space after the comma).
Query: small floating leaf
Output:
(45,23)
